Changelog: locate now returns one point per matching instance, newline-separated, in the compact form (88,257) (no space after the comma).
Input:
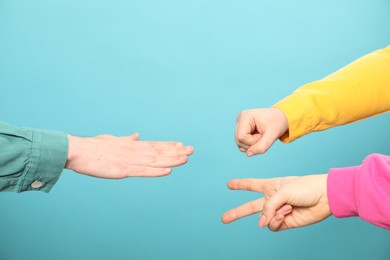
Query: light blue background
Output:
(180,70)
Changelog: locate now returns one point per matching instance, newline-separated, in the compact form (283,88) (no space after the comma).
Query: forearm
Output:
(359,90)
(362,191)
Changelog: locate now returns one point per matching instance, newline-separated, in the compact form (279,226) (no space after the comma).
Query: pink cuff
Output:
(342,191)
(362,191)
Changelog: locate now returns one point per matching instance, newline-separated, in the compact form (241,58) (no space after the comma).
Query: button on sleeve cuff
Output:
(48,157)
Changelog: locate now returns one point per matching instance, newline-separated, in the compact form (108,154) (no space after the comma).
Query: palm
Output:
(303,216)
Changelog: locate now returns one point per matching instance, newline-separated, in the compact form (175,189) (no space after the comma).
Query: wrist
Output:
(72,151)
(282,119)
(324,197)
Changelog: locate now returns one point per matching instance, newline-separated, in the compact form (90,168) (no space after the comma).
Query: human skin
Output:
(258,129)
(111,157)
(288,202)
(357,91)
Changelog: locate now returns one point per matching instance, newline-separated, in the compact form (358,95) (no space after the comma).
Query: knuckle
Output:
(247,184)
(241,138)
(239,115)
(234,214)
(244,112)
(178,144)
(170,145)
(242,115)
(252,207)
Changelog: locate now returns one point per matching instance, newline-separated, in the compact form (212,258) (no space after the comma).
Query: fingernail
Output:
(287,211)
(279,217)
(250,153)
(168,170)
(189,149)
(263,219)
(182,158)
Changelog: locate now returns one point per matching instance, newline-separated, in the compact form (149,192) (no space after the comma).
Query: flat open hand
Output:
(107,156)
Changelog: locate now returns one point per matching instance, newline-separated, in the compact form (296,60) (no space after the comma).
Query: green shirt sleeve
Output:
(30,159)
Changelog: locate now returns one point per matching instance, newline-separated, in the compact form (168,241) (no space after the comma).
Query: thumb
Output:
(263,143)
(271,206)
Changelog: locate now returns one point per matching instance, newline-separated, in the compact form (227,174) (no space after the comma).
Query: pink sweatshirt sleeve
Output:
(362,191)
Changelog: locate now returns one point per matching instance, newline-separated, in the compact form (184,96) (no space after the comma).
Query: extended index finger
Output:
(249,184)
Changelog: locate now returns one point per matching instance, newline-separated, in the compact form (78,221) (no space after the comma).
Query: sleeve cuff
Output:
(298,115)
(342,191)
(49,153)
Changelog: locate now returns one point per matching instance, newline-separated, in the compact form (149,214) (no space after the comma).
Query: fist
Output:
(258,129)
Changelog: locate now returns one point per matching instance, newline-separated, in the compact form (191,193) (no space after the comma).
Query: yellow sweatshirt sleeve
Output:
(359,90)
